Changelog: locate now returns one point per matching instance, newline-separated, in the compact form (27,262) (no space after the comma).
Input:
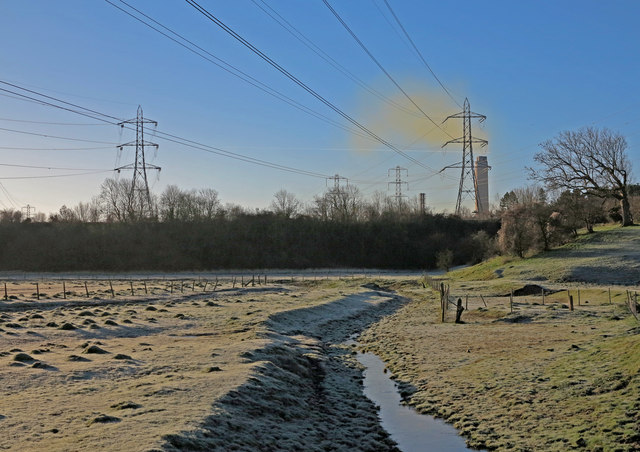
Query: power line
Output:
(229,68)
(52,167)
(13,148)
(424,61)
(296,33)
(178,140)
(54,136)
(54,175)
(52,123)
(298,82)
(375,60)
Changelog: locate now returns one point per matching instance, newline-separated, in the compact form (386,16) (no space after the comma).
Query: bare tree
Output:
(286,204)
(10,216)
(208,202)
(590,161)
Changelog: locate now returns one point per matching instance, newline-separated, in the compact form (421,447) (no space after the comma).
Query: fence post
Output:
(6,296)
(145,287)
(113,294)
(466,302)
(64,290)
(459,310)
(181,286)
(609,295)
(86,289)
(485,303)
(571,302)
(131,284)
(578,297)
(205,286)
(37,291)
(442,305)
(543,297)
(511,301)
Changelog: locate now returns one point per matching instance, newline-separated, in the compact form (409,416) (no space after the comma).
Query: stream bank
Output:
(306,390)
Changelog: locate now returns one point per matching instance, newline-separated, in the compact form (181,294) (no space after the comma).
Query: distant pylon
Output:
(139,183)
(468,183)
(29,210)
(336,182)
(398,182)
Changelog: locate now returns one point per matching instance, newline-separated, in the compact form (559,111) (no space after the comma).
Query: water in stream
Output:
(412,431)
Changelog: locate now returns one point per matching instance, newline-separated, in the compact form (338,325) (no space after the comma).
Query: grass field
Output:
(265,367)
(540,378)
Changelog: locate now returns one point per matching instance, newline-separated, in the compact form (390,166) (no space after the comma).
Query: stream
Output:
(411,430)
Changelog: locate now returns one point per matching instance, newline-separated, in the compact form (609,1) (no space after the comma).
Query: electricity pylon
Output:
(398,182)
(468,182)
(139,185)
(336,182)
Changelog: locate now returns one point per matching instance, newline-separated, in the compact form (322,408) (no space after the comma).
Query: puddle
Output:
(411,430)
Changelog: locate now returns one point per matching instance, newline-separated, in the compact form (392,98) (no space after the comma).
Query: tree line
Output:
(244,241)
(585,177)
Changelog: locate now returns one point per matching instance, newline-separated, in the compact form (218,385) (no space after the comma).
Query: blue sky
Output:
(533,67)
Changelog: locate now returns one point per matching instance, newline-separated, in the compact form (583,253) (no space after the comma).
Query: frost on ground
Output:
(243,369)
(306,391)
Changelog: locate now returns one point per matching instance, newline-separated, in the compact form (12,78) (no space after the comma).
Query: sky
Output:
(534,68)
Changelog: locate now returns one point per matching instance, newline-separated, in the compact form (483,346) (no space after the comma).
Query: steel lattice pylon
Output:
(468,183)
(139,184)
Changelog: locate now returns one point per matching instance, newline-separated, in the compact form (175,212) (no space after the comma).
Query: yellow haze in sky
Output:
(403,125)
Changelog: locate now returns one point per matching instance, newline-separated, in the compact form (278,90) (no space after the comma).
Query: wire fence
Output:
(521,297)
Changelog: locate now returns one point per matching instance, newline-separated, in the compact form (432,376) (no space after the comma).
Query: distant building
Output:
(482,179)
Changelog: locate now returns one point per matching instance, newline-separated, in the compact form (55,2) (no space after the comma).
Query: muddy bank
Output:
(306,391)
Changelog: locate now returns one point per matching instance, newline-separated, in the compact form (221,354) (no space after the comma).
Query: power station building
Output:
(482,181)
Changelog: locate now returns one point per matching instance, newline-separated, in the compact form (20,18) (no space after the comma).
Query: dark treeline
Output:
(248,241)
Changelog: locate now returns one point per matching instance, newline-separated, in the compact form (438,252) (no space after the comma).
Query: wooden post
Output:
(6,296)
(571,302)
(543,297)
(578,297)
(171,286)
(242,280)
(37,291)
(145,287)
(253,280)
(442,305)
(64,290)
(466,302)
(459,310)
(181,286)
(568,294)
(205,286)
(233,283)
(113,294)
(609,294)
(485,303)
(193,287)
(131,284)
(511,301)
(86,289)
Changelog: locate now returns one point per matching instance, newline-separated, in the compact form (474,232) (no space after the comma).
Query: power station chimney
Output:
(482,179)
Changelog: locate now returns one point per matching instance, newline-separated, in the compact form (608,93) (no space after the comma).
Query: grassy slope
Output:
(560,380)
